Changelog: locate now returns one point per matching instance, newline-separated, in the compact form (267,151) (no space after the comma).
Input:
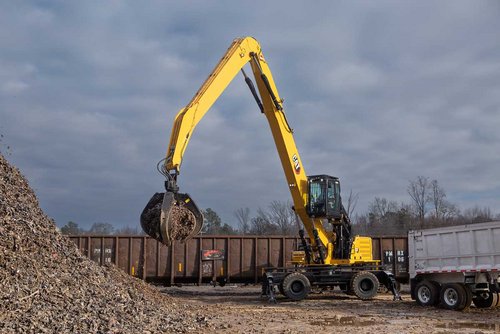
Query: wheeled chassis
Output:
(325,276)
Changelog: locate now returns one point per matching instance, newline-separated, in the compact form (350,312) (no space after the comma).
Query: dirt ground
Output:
(240,309)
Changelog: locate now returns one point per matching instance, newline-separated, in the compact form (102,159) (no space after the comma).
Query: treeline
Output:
(428,207)
(277,219)
(72,228)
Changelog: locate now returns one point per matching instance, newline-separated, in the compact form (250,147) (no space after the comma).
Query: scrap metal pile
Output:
(47,286)
(170,217)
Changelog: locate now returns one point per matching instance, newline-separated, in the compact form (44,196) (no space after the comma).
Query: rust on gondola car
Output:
(206,258)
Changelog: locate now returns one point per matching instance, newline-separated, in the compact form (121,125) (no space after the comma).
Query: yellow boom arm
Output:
(243,51)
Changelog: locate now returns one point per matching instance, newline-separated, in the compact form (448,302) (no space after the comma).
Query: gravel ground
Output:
(47,286)
(239,309)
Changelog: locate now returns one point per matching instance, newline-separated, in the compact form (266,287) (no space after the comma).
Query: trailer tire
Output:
(296,286)
(453,296)
(486,300)
(426,293)
(468,295)
(365,285)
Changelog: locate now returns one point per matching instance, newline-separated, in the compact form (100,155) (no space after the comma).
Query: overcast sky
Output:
(377,93)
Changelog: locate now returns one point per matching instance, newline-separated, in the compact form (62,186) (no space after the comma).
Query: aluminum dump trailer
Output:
(455,266)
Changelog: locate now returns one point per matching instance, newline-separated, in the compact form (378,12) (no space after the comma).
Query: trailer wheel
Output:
(426,293)
(453,296)
(468,296)
(296,286)
(486,299)
(365,285)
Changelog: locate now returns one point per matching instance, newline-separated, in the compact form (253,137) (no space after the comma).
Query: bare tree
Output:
(352,201)
(418,190)
(477,214)
(243,217)
(437,197)
(71,228)
(360,225)
(380,207)
(450,211)
(101,229)
(282,215)
(261,224)
(128,230)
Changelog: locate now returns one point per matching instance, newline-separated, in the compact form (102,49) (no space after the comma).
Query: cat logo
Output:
(296,163)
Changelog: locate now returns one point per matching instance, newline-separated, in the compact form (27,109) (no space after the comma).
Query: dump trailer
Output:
(455,266)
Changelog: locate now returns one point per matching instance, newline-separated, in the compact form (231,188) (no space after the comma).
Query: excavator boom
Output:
(157,219)
(331,257)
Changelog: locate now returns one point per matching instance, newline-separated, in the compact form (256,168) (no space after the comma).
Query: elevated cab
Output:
(323,197)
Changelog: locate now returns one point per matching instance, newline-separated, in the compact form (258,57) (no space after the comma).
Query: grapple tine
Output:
(166,206)
(150,217)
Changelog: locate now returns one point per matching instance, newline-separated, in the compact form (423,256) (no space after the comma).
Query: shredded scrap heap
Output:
(47,286)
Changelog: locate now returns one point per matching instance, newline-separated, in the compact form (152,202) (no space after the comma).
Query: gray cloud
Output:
(377,93)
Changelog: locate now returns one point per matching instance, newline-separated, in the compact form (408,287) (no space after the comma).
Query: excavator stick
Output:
(171,216)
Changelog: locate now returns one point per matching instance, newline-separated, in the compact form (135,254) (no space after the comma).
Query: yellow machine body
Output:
(241,52)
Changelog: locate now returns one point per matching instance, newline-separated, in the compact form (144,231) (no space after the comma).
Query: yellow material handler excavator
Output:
(329,256)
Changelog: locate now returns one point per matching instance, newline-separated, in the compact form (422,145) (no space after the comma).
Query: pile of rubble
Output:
(47,286)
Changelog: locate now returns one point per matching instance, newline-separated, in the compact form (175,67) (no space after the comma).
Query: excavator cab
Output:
(324,197)
(171,216)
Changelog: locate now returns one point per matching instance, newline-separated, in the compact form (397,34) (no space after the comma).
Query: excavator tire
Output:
(296,286)
(365,285)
